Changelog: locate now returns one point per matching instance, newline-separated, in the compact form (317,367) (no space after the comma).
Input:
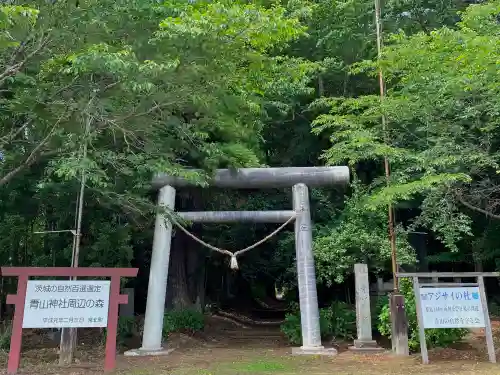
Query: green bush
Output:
(291,328)
(5,333)
(380,303)
(293,306)
(494,308)
(127,328)
(436,338)
(336,321)
(340,319)
(184,321)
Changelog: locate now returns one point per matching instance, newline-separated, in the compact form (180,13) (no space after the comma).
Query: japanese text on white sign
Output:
(455,307)
(66,304)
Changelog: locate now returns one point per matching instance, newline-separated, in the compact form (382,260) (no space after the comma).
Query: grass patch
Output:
(274,364)
(257,366)
(261,366)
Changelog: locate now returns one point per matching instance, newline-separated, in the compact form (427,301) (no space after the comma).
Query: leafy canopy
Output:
(442,113)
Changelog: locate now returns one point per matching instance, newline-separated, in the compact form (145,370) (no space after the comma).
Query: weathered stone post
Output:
(365,341)
(128,309)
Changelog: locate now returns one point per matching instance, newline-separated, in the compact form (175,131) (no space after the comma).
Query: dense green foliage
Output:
(176,321)
(436,338)
(183,321)
(127,328)
(441,110)
(112,92)
(188,90)
(337,322)
(5,334)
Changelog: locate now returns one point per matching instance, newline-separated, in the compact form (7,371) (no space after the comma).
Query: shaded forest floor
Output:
(224,349)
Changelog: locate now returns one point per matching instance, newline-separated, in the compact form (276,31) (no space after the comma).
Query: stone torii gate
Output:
(299,178)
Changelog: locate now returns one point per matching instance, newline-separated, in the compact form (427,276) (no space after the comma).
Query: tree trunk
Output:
(478,262)
(186,280)
(178,292)
(196,276)
(321,87)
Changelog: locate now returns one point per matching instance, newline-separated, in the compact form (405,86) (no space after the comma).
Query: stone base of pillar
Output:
(148,352)
(320,350)
(366,346)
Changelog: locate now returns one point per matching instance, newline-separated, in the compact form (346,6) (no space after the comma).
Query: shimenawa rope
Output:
(234,261)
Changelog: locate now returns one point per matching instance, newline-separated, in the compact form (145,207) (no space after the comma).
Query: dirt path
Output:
(278,361)
(224,349)
(253,361)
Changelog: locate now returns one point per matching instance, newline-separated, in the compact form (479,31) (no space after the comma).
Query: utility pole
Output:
(399,322)
(392,234)
(69,335)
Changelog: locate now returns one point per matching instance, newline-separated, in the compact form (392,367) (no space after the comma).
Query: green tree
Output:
(441,108)
(148,88)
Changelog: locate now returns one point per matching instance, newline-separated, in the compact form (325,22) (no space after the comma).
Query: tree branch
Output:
(15,67)
(477,209)
(32,157)
(15,132)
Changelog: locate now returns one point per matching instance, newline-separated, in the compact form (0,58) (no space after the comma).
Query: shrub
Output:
(436,338)
(5,333)
(184,321)
(380,303)
(336,321)
(127,328)
(340,319)
(291,328)
(293,306)
(494,308)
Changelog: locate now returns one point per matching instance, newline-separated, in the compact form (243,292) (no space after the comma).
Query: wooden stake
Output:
(487,322)
(420,321)
(399,324)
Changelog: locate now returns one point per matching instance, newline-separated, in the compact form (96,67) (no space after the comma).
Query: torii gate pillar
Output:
(299,178)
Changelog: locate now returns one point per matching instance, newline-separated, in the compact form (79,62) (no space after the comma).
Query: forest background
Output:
(150,86)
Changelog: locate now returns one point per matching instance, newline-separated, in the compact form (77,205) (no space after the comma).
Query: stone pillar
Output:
(435,279)
(128,309)
(309,312)
(158,275)
(380,286)
(365,341)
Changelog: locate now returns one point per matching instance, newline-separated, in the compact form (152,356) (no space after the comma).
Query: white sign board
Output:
(455,307)
(66,304)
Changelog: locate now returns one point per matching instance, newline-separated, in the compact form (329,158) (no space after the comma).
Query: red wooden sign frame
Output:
(115,299)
